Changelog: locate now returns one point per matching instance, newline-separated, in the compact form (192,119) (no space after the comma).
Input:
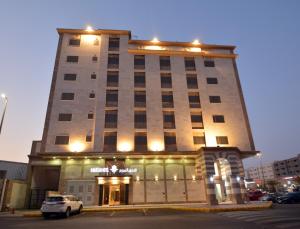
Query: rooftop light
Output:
(155,40)
(89,28)
(196,42)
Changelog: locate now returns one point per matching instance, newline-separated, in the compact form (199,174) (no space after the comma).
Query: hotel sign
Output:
(114,169)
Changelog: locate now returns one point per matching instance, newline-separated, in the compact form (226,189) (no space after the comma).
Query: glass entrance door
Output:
(114,195)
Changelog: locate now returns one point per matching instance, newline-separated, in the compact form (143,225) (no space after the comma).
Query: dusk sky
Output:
(266,33)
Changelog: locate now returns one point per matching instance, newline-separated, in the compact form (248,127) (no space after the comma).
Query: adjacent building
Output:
(142,122)
(260,173)
(288,167)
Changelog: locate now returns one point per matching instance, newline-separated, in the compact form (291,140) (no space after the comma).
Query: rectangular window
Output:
(111,119)
(112,79)
(166,80)
(191,80)
(64,117)
(61,140)
(222,140)
(211,80)
(167,99)
(140,141)
(90,116)
(74,42)
(139,62)
(72,59)
(93,76)
(92,95)
(110,142)
(94,58)
(89,138)
(113,61)
(114,44)
(67,96)
(165,63)
(111,98)
(140,99)
(139,79)
(194,100)
(140,120)
(199,140)
(169,120)
(209,63)
(214,99)
(70,77)
(170,141)
(189,63)
(196,119)
(218,118)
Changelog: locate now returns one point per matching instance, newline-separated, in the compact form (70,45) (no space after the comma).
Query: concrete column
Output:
(210,192)
(236,190)
(243,190)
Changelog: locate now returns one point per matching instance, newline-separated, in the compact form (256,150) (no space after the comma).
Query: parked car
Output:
(289,198)
(61,205)
(255,195)
(269,197)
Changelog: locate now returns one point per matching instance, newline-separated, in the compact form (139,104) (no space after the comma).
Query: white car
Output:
(62,205)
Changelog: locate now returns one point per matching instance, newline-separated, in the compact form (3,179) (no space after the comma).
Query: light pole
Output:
(4,97)
(259,155)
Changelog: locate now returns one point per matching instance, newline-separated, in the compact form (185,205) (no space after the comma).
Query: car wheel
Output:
(67,213)
(79,209)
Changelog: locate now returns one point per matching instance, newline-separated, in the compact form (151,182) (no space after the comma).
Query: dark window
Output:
(64,117)
(75,42)
(93,76)
(140,99)
(92,95)
(170,141)
(90,116)
(166,80)
(196,119)
(114,44)
(199,140)
(70,77)
(218,118)
(110,141)
(111,119)
(95,58)
(209,63)
(140,141)
(89,138)
(191,80)
(165,63)
(169,120)
(140,120)
(61,140)
(111,98)
(67,96)
(194,100)
(139,79)
(112,79)
(212,80)
(139,62)
(72,59)
(167,99)
(222,140)
(214,99)
(113,61)
(189,63)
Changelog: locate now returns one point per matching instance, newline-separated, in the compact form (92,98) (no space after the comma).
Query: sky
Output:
(266,33)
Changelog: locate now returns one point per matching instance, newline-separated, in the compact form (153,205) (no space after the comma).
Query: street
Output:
(281,216)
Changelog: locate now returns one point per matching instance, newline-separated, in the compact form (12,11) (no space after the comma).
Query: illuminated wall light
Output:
(124,147)
(156,178)
(69,158)
(126,180)
(156,146)
(238,179)
(53,158)
(193,177)
(137,178)
(154,47)
(100,157)
(196,42)
(175,177)
(89,28)
(101,180)
(155,40)
(114,180)
(77,147)
(194,49)
(211,179)
(89,39)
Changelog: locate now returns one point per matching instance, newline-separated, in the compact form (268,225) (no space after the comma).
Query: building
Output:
(141,122)
(260,173)
(288,167)
(13,170)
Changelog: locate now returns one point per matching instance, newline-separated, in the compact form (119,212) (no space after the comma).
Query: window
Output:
(113,61)
(70,77)
(113,44)
(64,117)
(89,138)
(209,63)
(189,63)
(61,140)
(194,100)
(112,79)
(90,116)
(93,76)
(191,80)
(166,80)
(140,141)
(218,118)
(165,63)
(140,120)
(72,59)
(139,62)
(92,95)
(110,141)
(111,98)
(95,58)
(211,80)
(196,119)
(214,99)
(140,99)
(67,96)
(139,79)
(167,99)
(199,140)
(74,42)
(222,140)
(111,119)
(170,141)
(169,120)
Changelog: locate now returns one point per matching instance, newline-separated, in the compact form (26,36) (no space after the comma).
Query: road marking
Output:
(112,214)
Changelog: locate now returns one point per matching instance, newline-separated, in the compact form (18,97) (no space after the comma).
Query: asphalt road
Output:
(281,216)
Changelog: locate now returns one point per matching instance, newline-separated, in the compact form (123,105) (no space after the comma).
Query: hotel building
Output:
(141,122)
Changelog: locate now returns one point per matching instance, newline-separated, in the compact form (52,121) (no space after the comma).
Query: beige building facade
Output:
(138,122)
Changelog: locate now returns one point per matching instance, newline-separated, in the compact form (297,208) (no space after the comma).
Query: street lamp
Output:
(5,99)
(259,155)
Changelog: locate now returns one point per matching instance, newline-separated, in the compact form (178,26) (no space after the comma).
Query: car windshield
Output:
(54,198)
